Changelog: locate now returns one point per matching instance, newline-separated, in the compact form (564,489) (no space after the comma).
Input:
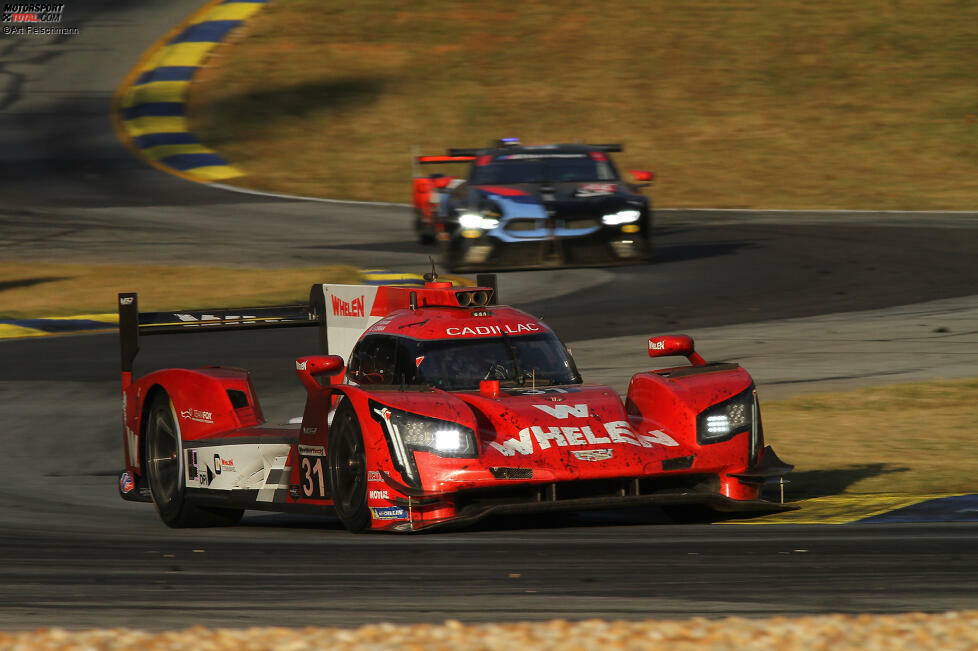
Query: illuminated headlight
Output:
(407,433)
(727,419)
(621,217)
(474,220)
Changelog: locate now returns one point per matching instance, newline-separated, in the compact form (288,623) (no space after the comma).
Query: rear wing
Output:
(473,153)
(429,160)
(341,313)
(134,324)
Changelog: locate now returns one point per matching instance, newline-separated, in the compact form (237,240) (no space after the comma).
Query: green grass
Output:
(746,104)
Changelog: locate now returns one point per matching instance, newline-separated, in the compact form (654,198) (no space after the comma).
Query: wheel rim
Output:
(349,470)
(164,456)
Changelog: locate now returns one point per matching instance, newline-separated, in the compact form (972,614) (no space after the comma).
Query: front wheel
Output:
(165,469)
(347,462)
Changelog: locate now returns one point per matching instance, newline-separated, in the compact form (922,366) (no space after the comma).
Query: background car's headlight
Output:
(725,420)
(476,220)
(621,217)
(407,433)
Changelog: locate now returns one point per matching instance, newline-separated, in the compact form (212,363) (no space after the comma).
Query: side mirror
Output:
(668,345)
(311,368)
(643,175)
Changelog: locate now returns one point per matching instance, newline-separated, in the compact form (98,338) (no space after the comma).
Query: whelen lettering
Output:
(348,308)
(618,431)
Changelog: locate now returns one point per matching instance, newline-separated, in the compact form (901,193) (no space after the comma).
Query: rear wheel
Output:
(348,470)
(164,467)
(425,232)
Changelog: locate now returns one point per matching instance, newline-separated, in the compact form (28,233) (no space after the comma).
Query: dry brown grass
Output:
(39,290)
(903,438)
(748,104)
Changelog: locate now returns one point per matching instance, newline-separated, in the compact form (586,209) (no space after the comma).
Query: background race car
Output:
(534,206)
(429,407)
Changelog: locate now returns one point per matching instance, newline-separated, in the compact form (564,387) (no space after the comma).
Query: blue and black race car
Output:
(523,207)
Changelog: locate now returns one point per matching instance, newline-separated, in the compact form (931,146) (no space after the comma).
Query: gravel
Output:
(945,631)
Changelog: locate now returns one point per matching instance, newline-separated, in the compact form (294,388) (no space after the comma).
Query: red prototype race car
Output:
(433,406)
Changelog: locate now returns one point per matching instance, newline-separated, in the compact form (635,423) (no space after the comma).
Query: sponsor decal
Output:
(353,307)
(379,495)
(211,319)
(542,438)
(197,415)
(595,189)
(538,155)
(126,300)
(310,430)
(374,476)
(657,345)
(133,447)
(301,366)
(601,454)
(126,483)
(564,411)
(312,451)
(222,465)
(389,513)
(197,471)
(542,391)
(509,328)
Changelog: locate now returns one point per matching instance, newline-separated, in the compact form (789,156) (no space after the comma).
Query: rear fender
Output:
(206,402)
(424,194)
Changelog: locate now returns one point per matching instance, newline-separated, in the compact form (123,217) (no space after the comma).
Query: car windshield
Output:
(460,364)
(548,168)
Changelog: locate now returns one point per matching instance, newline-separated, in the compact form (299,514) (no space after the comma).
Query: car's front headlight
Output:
(725,420)
(408,433)
(621,217)
(486,220)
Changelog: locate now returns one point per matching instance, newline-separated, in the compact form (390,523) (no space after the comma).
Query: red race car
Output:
(433,406)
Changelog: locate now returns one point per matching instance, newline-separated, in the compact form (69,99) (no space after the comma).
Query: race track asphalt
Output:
(73,554)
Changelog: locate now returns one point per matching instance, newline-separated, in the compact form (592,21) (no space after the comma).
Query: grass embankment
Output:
(903,438)
(71,289)
(750,105)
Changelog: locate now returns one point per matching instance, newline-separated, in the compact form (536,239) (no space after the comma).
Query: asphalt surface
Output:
(74,554)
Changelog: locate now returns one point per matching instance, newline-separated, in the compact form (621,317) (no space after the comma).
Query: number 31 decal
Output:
(313,480)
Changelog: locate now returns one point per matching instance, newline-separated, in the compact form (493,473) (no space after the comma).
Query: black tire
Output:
(425,232)
(164,468)
(347,461)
